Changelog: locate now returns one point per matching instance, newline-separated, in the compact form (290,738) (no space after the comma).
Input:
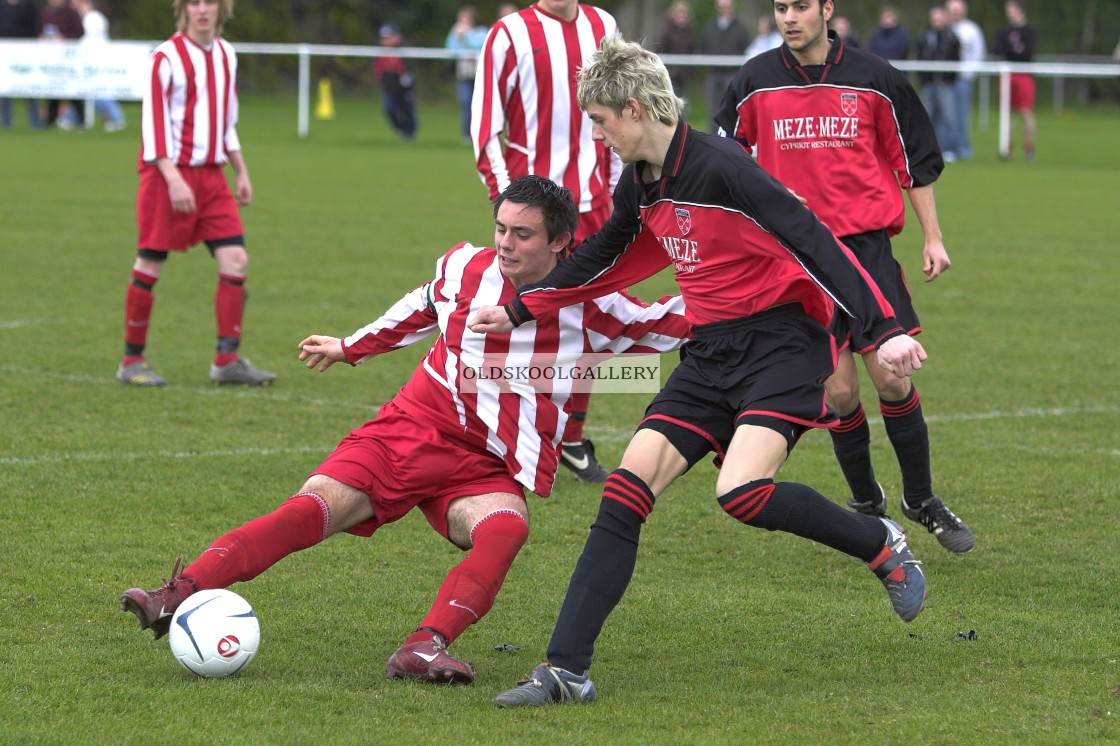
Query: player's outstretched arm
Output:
(318,349)
(490,320)
(901,355)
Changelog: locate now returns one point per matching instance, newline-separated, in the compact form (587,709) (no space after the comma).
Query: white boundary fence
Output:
(74,70)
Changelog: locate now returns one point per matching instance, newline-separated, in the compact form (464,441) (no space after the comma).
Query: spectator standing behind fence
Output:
(973,52)
(19,19)
(466,37)
(768,37)
(396,86)
(96,27)
(890,39)
(844,31)
(520,126)
(723,35)
(1016,43)
(937,43)
(58,22)
(677,37)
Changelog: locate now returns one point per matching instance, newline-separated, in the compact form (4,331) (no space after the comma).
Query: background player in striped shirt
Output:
(462,453)
(845,130)
(761,277)
(188,131)
(525,120)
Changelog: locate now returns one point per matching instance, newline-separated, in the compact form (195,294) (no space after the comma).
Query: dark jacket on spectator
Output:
(938,46)
(890,43)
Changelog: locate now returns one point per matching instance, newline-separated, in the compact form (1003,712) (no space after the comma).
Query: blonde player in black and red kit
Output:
(761,278)
(189,131)
(847,132)
(525,120)
(462,454)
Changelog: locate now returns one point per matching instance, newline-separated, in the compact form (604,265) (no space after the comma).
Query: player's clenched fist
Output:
(490,320)
(901,355)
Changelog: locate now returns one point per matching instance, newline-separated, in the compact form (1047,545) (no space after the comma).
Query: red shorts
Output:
(403,463)
(1022,92)
(590,222)
(162,228)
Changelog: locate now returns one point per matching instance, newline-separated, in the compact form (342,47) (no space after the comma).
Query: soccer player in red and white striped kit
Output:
(845,130)
(461,450)
(189,132)
(525,120)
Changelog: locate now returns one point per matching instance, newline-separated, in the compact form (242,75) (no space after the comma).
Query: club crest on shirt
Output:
(684,220)
(849,103)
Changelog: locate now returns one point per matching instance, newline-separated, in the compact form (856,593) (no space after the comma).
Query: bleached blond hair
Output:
(621,70)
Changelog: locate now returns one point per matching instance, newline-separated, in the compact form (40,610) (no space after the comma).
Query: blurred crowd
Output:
(948,36)
(54,21)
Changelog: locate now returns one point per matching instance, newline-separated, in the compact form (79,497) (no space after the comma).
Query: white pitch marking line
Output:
(20,323)
(271,395)
(606,433)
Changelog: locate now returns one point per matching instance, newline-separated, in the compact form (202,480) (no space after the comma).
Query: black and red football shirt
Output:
(845,135)
(738,241)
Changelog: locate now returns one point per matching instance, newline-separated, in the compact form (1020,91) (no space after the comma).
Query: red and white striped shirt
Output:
(190,103)
(525,86)
(520,425)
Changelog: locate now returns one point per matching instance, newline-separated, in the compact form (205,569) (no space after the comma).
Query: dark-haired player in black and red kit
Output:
(847,132)
(761,278)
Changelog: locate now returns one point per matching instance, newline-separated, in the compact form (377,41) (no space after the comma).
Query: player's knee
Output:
(893,388)
(232,259)
(505,528)
(843,393)
(745,503)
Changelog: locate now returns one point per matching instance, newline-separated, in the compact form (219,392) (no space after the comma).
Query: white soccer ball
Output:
(214,633)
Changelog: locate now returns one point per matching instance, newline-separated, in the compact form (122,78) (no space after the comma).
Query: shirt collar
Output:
(674,156)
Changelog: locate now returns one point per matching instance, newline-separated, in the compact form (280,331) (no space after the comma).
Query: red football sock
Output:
(246,552)
(229,304)
(469,590)
(573,431)
(138,303)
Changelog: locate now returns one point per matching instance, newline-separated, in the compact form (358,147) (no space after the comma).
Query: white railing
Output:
(985,71)
(21,62)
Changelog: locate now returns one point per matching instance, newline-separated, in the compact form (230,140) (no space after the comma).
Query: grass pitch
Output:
(727,634)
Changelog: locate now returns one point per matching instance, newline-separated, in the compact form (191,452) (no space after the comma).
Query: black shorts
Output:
(873,250)
(768,369)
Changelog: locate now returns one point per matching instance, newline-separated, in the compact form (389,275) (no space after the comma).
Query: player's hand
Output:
(182,196)
(490,320)
(901,355)
(800,199)
(935,260)
(244,190)
(318,349)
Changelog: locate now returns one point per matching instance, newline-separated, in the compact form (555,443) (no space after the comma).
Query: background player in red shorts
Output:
(844,129)
(463,455)
(525,120)
(188,133)
(1016,43)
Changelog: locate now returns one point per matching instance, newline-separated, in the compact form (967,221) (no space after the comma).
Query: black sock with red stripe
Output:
(851,442)
(909,435)
(603,571)
(801,510)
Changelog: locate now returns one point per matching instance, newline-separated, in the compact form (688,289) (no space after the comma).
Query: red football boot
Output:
(428,660)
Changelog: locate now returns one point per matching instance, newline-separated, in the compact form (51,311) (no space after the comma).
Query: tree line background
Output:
(1066,27)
